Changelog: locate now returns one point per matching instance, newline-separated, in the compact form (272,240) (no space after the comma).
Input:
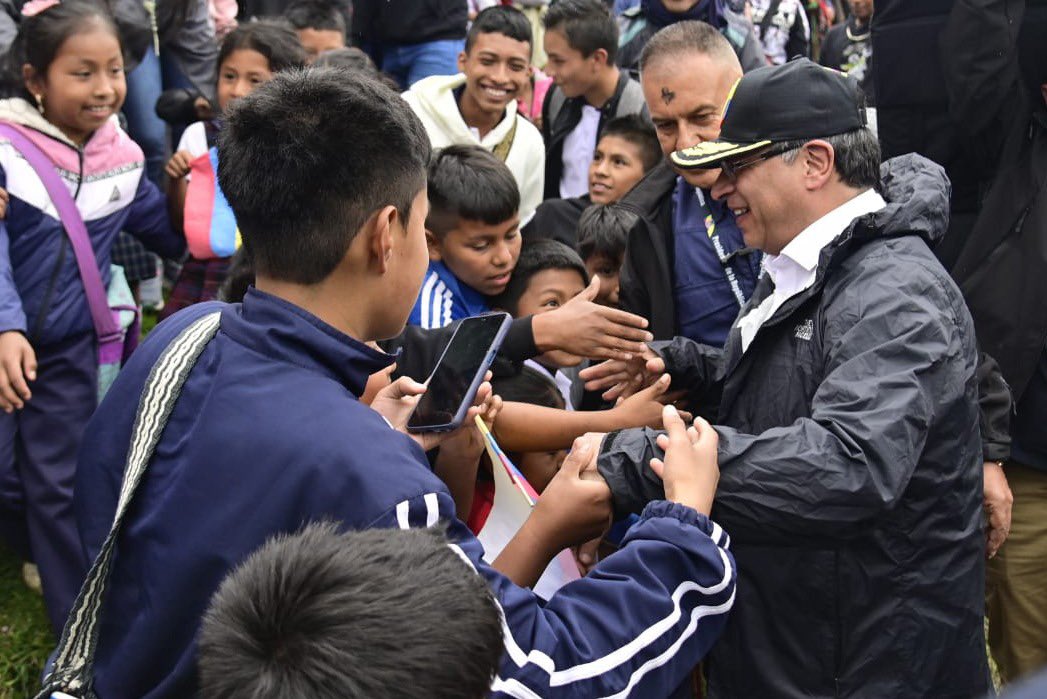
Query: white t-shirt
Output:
(578,149)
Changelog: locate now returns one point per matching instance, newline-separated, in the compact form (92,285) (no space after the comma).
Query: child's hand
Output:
(620,378)
(689,468)
(644,409)
(17,366)
(4,199)
(576,505)
(467,443)
(396,402)
(586,329)
(179,165)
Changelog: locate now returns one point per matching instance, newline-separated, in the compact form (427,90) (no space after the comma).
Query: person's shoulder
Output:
(650,192)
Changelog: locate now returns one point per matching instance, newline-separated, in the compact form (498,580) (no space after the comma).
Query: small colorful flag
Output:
(514,499)
(210,226)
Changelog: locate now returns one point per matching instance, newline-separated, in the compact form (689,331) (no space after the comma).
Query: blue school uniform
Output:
(268,434)
(443,299)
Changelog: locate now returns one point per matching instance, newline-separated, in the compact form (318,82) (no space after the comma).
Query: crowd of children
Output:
(339,231)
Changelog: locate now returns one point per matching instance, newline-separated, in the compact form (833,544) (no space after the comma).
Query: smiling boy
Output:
(473,232)
(478,106)
(628,149)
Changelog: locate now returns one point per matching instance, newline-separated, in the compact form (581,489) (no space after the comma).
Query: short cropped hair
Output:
(368,613)
(500,19)
(587,24)
(274,39)
(603,231)
(537,256)
(636,130)
(320,15)
(684,38)
(308,157)
(468,182)
(352,58)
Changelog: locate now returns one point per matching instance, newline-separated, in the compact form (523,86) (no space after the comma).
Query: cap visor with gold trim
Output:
(709,154)
(799,100)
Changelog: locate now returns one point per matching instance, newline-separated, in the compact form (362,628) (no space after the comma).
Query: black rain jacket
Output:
(851,470)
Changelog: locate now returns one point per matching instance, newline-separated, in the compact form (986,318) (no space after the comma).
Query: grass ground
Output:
(25,636)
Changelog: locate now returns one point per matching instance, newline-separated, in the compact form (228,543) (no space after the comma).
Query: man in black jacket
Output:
(849,451)
(687,269)
(994,60)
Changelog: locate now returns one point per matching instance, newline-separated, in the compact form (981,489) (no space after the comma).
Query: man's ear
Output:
(819,164)
(461,61)
(433,243)
(381,238)
(600,56)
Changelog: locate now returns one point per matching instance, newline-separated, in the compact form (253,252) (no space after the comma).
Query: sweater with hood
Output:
(434,100)
(40,289)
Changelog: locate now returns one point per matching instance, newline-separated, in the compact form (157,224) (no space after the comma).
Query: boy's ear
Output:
(600,56)
(433,244)
(381,235)
(461,61)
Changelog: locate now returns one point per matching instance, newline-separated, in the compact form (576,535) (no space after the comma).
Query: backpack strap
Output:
(501,150)
(74,659)
(106,327)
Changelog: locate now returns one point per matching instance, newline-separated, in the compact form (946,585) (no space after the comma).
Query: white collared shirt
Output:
(794,269)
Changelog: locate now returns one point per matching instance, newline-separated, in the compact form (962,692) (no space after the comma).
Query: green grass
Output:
(25,635)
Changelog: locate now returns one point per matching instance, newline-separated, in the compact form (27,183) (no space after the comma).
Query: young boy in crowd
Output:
(603,231)
(627,150)
(478,106)
(473,233)
(547,275)
(318,613)
(267,432)
(581,40)
(319,24)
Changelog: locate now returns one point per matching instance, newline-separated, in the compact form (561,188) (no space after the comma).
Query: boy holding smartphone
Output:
(268,433)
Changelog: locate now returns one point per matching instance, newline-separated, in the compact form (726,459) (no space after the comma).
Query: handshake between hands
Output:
(575,508)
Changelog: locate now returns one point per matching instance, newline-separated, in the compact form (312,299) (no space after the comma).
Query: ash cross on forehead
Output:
(668,95)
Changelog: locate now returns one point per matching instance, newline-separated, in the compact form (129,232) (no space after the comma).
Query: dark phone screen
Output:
(456,372)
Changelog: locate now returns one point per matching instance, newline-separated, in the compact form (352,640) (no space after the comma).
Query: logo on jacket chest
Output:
(804,330)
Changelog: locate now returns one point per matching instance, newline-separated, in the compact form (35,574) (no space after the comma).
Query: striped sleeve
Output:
(434,304)
(635,626)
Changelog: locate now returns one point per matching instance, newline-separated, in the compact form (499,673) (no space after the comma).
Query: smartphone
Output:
(459,373)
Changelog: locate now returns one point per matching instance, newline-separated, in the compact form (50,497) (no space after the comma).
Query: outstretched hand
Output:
(689,468)
(586,329)
(619,378)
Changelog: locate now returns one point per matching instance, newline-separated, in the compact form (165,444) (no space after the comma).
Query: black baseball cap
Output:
(798,100)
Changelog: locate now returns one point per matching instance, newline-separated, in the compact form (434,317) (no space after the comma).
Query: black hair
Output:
(603,231)
(686,38)
(238,277)
(500,19)
(638,131)
(537,256)
(308,157)
(368,613)
(42,35)
(529,386)
(320,15)
(468,182)
(274,39)
(587,24)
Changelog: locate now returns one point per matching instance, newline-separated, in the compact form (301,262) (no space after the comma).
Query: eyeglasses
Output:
(731,169)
